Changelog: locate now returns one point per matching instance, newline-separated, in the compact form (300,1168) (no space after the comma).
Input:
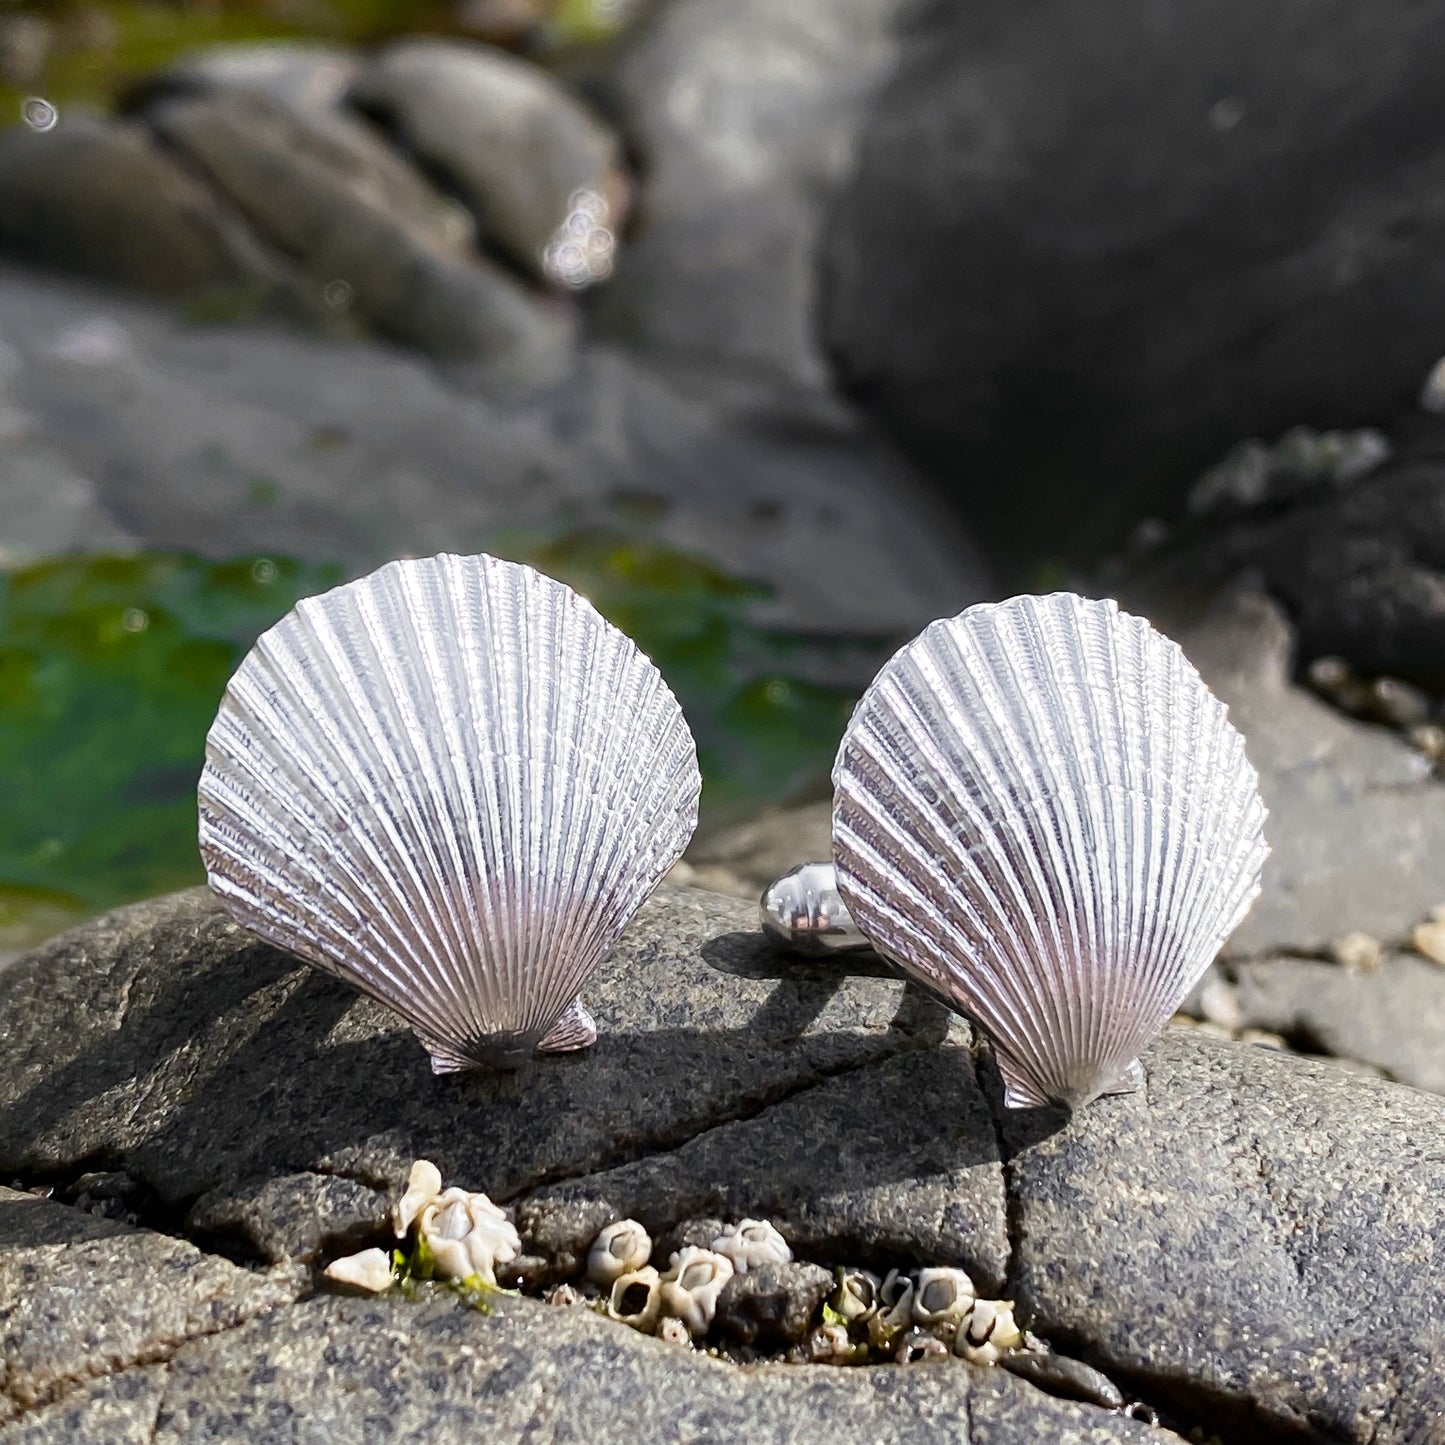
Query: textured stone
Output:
(774,1303)
(349,1370)
(891,1163)
(1263,1235)
(1150,231)
(294,1216)
(203,1061)
(82,1297)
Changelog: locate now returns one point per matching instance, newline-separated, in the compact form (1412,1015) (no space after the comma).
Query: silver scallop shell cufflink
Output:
(452,783)
(1044,817)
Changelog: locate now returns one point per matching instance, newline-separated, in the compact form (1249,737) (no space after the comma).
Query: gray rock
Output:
(1356,821)
(1245,1243)
(103,200)
(1151,231)
(204,1062)
(886,1164)
(743,113)
(294,1216)
(355,1370)
(1392,1018)
(242,140)
(83,1297)
(1256,1232)
(246,439)
(774,1303)
(512,142)
(353,217)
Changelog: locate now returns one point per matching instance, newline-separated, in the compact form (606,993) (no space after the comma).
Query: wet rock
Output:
(1360,569)
(507,137)
(103,200)
(773,1303)
(1061,1376)
(367,234)
(244,439)
(83,1297)
(1151,232)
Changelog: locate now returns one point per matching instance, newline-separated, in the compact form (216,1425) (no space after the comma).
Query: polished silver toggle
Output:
(803,912)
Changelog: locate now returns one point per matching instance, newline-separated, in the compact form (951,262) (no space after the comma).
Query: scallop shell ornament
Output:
(451,783)
(1045,817)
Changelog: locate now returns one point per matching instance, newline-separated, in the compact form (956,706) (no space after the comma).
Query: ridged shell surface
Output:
(451,783)
(1044,816)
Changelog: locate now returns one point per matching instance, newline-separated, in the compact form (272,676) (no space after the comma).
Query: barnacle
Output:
(941,1297)
(987,1332)
(619,1249)
(370,1270)
(691,1286)
(751,1243)
(636,1299)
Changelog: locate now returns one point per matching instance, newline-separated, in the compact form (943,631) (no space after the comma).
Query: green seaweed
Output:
(110,672)
(111,669)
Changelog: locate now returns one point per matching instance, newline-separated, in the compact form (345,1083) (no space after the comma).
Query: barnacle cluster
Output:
(457,1235)
(701,1297)
(928,1314)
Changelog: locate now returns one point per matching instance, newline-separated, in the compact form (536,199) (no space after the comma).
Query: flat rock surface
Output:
(1249,1244)
(200,1059)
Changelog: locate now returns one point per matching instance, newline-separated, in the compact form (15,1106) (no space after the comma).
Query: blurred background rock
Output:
(780,330)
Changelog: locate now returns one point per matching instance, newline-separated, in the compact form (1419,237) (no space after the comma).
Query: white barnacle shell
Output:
(452,783)
(691,1286)
(468,1235)
(370,1270)
(636,1299)
(941,1296)
(987,1331)
(673,1331)
(621,1248)
(422,1186)
(1044,817)
(751,1243)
